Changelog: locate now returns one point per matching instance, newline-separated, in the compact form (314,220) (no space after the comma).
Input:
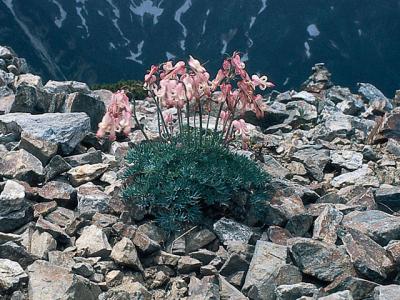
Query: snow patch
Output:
(170,56)
(205,22)
(63,14)
(307,47)
(147,7)
(178,15)
(112,46)
(312,30)
(286,81)
(135,55)
(252,21)
(263,7)
(226,38)
(100,13)
(114,8)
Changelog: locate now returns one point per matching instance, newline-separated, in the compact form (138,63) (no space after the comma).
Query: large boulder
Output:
(12,276)
(64,130)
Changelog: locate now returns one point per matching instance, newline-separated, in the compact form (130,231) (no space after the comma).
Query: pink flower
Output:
(171,71)
(241,130)
(150,78)
(118,117)
(217,81)
(195,65)
(168,118)
(261,82)
(224,115)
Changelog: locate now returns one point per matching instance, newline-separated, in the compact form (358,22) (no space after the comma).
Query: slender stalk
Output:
(162,117)
(201,121)
(208,120)
(218,116)
(137,121)
(179,119)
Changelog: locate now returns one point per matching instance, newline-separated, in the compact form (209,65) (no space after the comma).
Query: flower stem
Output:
(137,121)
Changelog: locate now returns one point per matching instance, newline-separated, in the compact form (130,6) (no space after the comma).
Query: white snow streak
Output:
(170,56)
(205,22)
(307,47)
(135,55)
(313,30)
(147,7)
(178,15)
(63,15)
(115,8)
(263,7)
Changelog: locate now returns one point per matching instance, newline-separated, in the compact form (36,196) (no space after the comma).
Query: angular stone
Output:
(375,97)
(368,257)
(228,291)
(12,276)
(124,253)
(268,269)
(229,230)
(55,230)
(387,292)
(83,269)
(66,87)
(282,208)
(61,216)
(279,235)
(145,244)
(104,220)
(314,161)
(203,255)
(9,237)
(66,130)
(61,192)
(78,102)
(393,250)
(187,265)
(274,168)
(205,289)
(379,226)
(235,263)
(15,252)
(93,157)
(42,243)
(360,288)
(388,195)
(318,259)
(299,225)
(62,259)
(347,159)
(49,282)
(363,176)
(42,149)
(56,166)
(21,165)
(344,295)
(85,173)
(93,242)
(387,127)
(165,258)
(15,211)
(199,240)
(92,200)
(295,291)
(326,225)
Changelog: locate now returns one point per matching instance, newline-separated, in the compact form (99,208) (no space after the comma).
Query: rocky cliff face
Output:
(332,229)
(107,40)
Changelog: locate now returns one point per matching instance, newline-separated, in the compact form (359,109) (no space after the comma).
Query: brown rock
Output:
(326,224)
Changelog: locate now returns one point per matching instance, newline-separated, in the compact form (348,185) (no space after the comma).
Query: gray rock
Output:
(61,192)
(321,260)
(335,125)
(199,240)
(295,291)
(124,253)
(55,230)
(379,226)
(83,269)
(268,269)
(91,200)
(387,292)
(43,286)
(187,265)
(15,211)
(375,97)
(368,257)
(319,80)
(274,168)
(42,243)
(235,263)
(56,166)
(393,250)
(229,230)
(16,252)
(360,288)
(363,176)
(92,157)
(389,196)
(299,225)
(205,289)
(326,225)
(79,102)
(42,149)
(12,276)
(314,160)
(228,291)
(21,165)
(145,244)
(278,235)
(282,208)
(301,110)
(344,295)
(93,242)
(347,159)
(66,87)
(393,147)
(66,130)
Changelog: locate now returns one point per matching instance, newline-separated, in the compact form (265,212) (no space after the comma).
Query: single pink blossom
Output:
(195,65)
(217,81)
(261,82)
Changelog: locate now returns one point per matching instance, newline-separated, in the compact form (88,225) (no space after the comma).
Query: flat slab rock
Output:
(66,130)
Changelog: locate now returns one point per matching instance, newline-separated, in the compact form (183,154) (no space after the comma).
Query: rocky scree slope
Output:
(333,227)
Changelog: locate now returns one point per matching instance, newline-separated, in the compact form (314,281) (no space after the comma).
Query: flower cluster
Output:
(118,117)
(183,85)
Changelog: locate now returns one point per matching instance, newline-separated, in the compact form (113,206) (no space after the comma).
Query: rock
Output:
(9,237)
(228,291)
(6,53)
(344,295)
(205,289)
(145,244)
(61,216)
(12,276)
(165,258)
(187,265)
(389,196)
(15,211)
(104,220)
(321,260)
(56,166)
(295,291)
(387,127)
(66,130)
(199,240)
(42,149)
(42,243)
(93,242)
(114,278)
(274,168)
(299,225)
(393,147)
(314,161)
(379,226)
(124,253)
(268,269)
(387,292)
(235,263)
(21,165)
(363,176)
(43,209)
(335,125)
(55,230)
(229,230)
(66,87)
(393,250)
(61,192)
(282,208)
(368,257)
(79,102)
(15,252)
(92,200)
(93,157)
(43,286)
(86,173)
(83,269)
(319,80)
(326,225)
(301,110)
(360,288)
(279,235)
(375,97)
(62,259)
(347,159)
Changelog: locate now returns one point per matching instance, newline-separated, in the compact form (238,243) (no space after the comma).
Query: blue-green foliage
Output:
(184,181)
